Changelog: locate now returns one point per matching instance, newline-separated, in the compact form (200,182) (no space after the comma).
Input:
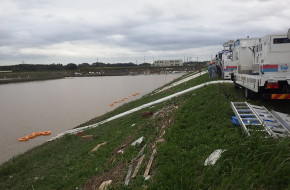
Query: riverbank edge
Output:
(25,76)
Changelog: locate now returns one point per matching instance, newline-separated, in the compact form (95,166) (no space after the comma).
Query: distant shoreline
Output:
(16,77)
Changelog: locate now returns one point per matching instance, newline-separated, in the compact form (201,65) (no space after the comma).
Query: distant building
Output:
(168,63)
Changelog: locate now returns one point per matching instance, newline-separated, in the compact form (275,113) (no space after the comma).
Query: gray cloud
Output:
(72,31)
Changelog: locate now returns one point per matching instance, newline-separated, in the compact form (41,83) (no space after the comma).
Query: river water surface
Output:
(60,105)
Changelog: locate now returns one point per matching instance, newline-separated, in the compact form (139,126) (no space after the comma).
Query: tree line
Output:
(70,66)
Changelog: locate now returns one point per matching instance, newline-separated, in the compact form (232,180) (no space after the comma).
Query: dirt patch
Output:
(165,117)
(116,174)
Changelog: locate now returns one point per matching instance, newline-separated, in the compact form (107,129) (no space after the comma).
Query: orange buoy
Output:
(111,105)
(46,133)
(37,133)
(31,136)
(23,139)
(135,94)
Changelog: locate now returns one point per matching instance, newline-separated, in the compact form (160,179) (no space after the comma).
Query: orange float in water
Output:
(31,136)
(24,139)
(135,94)
(37,133)
(46,133)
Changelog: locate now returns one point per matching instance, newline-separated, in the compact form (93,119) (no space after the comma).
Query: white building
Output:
(168,63)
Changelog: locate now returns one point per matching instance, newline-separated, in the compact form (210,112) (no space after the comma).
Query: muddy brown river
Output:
(60,105)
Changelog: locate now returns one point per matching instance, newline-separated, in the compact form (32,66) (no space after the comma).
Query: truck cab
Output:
(228,66)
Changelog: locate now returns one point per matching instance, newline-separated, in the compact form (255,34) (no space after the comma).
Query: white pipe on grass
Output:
(76,130)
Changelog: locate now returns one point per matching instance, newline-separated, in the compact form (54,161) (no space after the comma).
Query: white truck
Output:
(263,66)
(229,67)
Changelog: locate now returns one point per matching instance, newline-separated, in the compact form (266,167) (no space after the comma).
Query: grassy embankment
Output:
(196,124)
(29,76)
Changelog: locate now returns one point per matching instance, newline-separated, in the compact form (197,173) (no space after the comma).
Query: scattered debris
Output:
(98,146)
(116,174)
(105,185)
(121,151)
(138,166)
(212,159)
(138,141)
(163,133)
(127,180)
(134,160)
(87,137)
(149,163)
(133,125)
(148,177)
(79,134)
(147,113)
(141,151)
(160,140)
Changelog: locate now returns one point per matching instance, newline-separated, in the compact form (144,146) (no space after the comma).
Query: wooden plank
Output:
(127,180)
(98,146)
(141,152)
(149,163)
(138,166)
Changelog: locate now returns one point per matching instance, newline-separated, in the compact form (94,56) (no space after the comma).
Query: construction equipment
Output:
(258,119)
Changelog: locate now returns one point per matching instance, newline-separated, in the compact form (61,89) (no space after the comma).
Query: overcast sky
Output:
(110,31)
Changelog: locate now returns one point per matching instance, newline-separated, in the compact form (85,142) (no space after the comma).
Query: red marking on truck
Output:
(269,68)
(230,68)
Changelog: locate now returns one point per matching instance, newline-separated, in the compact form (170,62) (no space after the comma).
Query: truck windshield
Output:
(281,40)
